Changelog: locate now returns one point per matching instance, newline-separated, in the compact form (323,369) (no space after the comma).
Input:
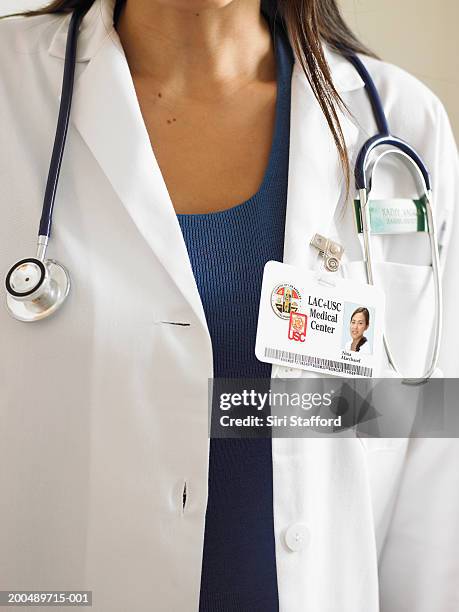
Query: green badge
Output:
(394,216)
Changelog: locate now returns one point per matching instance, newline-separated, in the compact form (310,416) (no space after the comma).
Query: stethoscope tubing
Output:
(384,136)
(380,140)
(363,183)
(372,92)
(62,124)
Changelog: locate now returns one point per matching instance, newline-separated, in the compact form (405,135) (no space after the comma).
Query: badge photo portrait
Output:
(358,324)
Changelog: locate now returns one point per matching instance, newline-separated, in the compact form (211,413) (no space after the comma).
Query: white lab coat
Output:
(104,406)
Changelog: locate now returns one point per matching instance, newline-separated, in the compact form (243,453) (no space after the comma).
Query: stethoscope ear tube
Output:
(438,294)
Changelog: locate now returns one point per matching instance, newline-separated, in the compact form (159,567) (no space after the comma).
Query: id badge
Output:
(318,321)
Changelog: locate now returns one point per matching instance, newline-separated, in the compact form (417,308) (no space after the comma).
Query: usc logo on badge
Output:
(297,327)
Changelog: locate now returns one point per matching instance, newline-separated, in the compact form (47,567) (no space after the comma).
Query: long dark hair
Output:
(309,23)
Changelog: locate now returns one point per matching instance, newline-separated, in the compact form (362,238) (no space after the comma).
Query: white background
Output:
(418,35)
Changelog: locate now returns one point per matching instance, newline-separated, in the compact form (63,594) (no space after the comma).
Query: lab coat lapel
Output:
(108,117)
(316,187)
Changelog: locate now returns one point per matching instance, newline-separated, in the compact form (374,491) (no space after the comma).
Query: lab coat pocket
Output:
(410,312)
(384,461)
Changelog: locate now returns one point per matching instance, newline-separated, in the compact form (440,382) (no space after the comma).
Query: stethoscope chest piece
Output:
(36,289)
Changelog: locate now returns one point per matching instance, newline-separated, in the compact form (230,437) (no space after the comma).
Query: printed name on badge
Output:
(320,322)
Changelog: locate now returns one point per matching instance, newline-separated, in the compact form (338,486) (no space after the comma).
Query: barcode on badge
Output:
(316,362)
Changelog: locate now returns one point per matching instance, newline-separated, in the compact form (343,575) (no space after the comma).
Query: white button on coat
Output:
(297,537)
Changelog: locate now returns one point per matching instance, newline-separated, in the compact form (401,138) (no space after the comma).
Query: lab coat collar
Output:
(107,115)
(96,25)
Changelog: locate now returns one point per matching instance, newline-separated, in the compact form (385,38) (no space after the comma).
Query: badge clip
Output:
(330,250)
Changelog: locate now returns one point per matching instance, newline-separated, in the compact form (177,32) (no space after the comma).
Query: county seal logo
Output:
(285,299)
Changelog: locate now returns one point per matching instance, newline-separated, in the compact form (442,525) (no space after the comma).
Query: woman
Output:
(205,138)
(360,322)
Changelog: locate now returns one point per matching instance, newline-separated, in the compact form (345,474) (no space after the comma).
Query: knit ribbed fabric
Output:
(228,251)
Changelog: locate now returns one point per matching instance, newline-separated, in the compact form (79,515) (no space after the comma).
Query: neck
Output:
(188,50)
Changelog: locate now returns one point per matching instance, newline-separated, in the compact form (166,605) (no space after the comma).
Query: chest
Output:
(212,153)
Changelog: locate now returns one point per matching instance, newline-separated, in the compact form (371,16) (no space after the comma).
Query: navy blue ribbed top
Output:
(228,250)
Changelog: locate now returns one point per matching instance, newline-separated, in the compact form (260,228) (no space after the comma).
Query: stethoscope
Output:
(37,287)
(370,156)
